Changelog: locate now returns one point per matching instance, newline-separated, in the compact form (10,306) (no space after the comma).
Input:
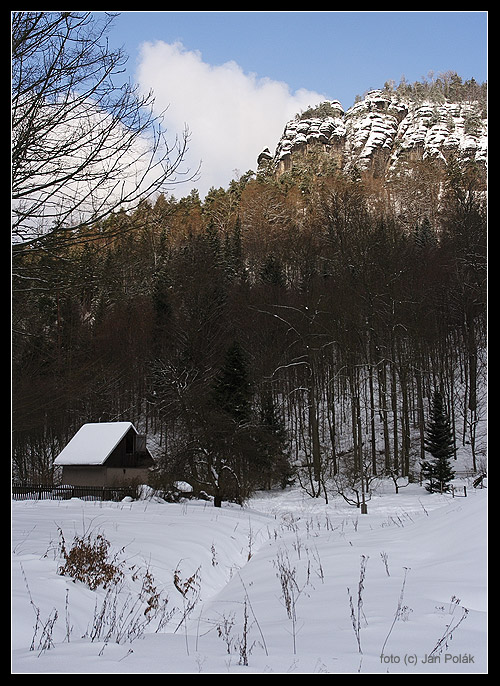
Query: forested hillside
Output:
(282,328)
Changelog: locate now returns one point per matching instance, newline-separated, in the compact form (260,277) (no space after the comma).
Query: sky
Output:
(234,79)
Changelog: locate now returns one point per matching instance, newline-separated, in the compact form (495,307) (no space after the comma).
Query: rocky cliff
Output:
(379,133)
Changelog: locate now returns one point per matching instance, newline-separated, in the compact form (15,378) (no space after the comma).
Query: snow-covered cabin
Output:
(105,454)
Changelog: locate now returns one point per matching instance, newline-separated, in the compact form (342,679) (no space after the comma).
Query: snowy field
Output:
(286,584)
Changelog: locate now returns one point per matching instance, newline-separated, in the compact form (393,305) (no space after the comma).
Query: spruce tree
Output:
(272,460)
(439,442)
(232,430)
(271,272)
(425,238)
(232,389)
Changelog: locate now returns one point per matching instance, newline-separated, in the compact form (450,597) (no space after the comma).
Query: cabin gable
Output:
(107,454)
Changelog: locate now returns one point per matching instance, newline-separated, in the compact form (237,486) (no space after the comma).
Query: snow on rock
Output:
(183,486)
(383,123)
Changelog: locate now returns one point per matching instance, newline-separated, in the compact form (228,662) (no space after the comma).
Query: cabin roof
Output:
(93,443)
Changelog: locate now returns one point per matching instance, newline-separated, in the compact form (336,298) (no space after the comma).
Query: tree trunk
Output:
(314,430)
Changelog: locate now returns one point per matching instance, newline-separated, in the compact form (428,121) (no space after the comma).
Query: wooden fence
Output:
(50,492)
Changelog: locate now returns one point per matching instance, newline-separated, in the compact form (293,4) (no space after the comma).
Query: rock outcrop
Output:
(380,132)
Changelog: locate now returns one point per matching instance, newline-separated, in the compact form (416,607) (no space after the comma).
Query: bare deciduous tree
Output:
(83,145)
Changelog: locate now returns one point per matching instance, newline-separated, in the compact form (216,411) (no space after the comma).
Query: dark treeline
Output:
(280,329)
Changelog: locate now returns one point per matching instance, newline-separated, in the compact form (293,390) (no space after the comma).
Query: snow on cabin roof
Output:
(93,443)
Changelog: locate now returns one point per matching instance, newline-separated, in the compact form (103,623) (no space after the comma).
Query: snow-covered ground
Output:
(286,584)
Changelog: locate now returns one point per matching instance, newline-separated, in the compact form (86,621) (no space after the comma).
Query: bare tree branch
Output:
(82,146)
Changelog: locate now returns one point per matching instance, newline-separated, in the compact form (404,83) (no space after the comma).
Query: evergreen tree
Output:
(272,461)
(425,237)
(439,442)
(232,431)
(232,388)
(233,253)
(271,272)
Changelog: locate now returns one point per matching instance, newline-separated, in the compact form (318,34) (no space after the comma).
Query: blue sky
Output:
(235,78)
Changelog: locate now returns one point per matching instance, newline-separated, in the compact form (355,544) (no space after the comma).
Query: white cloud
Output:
(232,116)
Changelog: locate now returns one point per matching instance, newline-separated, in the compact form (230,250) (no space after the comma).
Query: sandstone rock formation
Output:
(381,131)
